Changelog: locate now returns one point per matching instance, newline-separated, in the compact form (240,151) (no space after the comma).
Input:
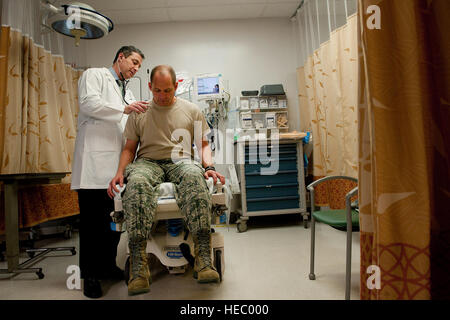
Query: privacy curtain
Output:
(328,91)
(38,95)
(38,111)
(404,142)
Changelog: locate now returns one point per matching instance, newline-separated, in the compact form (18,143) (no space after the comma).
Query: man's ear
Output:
(176,85)
(150,86)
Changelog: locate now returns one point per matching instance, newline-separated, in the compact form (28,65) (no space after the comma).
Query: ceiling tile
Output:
(137,16)
(297,2)
(247,1)
(125,5)
(188,3)
(215,12)
(279,10)
(141,11)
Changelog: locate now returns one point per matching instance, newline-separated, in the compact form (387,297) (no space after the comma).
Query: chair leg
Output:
(348,267)
(312,276)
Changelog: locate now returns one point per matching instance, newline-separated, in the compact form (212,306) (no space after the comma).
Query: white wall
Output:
(248,53)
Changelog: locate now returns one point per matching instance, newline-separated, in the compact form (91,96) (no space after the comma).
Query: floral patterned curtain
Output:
(404,143)
(38,114)
(39,97)
(328,92)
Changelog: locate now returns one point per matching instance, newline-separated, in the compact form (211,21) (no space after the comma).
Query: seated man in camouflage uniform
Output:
(165,134)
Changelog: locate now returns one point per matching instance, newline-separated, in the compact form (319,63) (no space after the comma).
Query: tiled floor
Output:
(269,261)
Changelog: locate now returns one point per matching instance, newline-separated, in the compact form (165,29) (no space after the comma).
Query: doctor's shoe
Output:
(204,272)
(92,288)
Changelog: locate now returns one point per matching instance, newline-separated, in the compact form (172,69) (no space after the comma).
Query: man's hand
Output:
(138,107)
(118,179)
(214,175)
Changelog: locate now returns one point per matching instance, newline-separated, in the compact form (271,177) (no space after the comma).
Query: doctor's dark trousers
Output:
(98,243)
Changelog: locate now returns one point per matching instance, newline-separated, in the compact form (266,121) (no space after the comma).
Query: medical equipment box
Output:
(249,93)
(254,103)
(271,90)
(263,103)
(244,105)
(270,120)
(246,120)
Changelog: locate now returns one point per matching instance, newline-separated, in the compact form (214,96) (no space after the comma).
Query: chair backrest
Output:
(331,191)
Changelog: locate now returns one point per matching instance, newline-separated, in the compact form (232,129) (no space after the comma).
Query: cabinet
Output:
(263,112)
(272,179)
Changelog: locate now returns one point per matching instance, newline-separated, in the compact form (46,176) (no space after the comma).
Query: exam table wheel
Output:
(40,274)
(241,226)
(218,263)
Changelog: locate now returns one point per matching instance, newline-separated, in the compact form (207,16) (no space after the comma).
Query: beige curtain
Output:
(404,143)
(328,92)
(39,107)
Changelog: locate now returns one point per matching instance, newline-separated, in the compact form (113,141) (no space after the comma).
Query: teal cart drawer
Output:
(286,176)
(253,157)
(270,191)
(273,204)
(284,147)
(281,165)
(253,153)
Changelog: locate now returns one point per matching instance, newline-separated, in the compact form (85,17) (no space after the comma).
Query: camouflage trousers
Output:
(141,195)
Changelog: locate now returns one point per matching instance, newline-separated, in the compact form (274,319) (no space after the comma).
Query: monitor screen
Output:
(207,85)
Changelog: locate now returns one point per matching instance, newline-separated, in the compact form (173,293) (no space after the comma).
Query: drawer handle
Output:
(268,186)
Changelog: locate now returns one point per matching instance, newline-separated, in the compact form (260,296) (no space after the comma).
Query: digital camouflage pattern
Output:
(204,270)
(140,277)
(141,194)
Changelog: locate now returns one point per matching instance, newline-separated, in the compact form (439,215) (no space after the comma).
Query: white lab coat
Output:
(101,123)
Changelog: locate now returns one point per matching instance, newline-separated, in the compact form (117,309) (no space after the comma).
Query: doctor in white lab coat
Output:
(104,106)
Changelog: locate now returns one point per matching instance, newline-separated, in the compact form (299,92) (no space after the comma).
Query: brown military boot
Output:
(139,272)
(204,271)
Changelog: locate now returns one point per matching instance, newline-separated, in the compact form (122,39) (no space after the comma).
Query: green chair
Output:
(345,219)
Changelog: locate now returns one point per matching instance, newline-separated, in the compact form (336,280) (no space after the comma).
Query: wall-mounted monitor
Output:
(208,86)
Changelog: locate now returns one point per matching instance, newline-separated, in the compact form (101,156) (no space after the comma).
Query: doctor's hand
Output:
(137,106)
(117,180)
(215,175)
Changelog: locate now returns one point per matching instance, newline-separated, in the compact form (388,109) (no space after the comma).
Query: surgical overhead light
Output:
(77,20)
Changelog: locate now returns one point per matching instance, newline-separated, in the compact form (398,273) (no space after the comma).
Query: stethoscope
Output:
(124,85)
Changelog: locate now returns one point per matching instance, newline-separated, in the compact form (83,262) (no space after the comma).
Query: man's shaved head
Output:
(164,69)
(163,84)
